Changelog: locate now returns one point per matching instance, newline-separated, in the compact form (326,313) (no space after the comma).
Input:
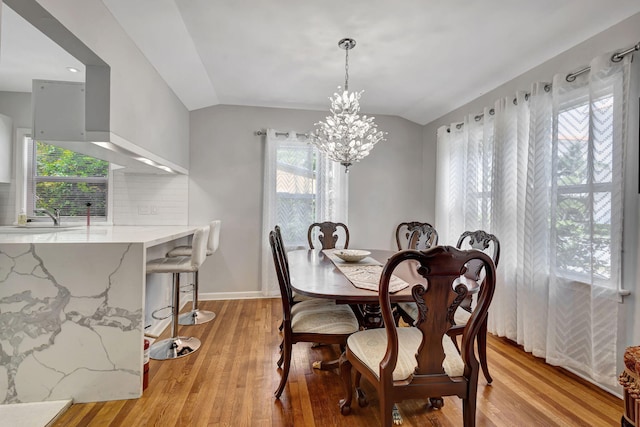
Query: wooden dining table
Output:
(314,274)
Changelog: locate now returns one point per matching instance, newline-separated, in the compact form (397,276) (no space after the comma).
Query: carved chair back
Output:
(403,233)
(327,234)
(282,272)
(422,237)
(420,361)
(482,241)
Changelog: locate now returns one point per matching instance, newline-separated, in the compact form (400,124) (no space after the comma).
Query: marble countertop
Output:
(148,235)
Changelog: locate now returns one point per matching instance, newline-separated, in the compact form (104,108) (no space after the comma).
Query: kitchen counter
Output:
(147,235)
(72,309)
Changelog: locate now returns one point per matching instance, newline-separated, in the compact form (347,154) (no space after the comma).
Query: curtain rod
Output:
(616,57)
(263,132)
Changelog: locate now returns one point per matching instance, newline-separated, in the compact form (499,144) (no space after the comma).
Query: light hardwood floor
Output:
(230,382)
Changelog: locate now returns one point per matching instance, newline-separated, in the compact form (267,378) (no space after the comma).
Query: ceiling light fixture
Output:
(73,69)
(345,136)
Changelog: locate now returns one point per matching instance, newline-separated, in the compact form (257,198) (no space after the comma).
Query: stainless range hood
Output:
(65,116)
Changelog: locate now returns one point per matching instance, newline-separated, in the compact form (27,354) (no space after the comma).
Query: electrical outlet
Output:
(154,210)
(143,210)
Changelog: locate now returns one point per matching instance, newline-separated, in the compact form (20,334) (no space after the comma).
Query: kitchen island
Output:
(72,310)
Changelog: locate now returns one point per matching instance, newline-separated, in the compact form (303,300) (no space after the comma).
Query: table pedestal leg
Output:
(372,316)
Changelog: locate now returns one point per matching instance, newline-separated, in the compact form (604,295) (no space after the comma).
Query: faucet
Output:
(55,216)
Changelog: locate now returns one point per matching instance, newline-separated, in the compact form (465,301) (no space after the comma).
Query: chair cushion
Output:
(183,251)
(370,346)
(171,265)
(320,316)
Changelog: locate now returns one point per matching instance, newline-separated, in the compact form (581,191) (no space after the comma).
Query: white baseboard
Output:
(216,296)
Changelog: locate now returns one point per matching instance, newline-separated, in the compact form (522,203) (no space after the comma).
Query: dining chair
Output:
(423,237)
(421,360)
(403,232)
(473,278)
(197,316)
(327,234)
(314,320)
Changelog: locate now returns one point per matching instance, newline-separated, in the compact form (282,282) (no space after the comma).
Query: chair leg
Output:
(469,412)
(196,316)
(386,408)
(279,362)
(482,351)
(362,397)
(345,374)
(285,370)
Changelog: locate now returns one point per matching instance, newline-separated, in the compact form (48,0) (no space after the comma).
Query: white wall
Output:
(143,110)
(226,183)
(16,105)
(621,36)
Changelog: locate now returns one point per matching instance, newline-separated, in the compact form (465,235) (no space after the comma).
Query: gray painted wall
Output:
(16,105)
(226,183)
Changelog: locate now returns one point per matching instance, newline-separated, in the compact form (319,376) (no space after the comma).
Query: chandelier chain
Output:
(346,70)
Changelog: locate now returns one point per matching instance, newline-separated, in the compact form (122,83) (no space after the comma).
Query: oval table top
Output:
(314,274)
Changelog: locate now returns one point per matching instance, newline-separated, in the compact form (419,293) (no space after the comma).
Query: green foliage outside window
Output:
(67,180)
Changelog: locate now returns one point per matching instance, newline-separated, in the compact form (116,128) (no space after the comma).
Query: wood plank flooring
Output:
(230,382)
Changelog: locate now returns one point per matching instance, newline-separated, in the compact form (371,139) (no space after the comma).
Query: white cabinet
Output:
(6,142)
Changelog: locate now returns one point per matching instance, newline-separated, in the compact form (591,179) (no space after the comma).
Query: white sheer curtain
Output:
(301,186)
(545,175)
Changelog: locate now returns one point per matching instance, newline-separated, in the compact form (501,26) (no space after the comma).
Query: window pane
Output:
(72,198)
(65,180)
(573,145)
(296,191)
(56,161)
(602,129)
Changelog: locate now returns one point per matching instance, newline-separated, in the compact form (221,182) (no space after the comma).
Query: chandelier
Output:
(345,136)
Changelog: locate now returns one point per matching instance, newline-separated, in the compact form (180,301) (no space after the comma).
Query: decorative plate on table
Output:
(351,255)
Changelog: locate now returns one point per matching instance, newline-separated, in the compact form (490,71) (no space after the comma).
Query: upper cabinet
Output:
(6,138)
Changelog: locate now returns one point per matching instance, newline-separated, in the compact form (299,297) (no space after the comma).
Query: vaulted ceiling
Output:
(417,59)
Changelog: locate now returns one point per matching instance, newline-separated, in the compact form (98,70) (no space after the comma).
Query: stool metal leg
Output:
(196,316)
(174,347)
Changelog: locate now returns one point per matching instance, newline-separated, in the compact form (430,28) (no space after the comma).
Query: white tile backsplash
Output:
(141,199)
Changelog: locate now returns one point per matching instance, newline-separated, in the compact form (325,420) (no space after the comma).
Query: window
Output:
(307,190)
(583,180)
(301,186)
(296,184)
(62,179)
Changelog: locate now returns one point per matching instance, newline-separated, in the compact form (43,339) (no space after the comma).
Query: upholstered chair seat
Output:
(316,316)
(369,346)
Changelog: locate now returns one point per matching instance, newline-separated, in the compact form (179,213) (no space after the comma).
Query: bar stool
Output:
(177,346)
(196,316)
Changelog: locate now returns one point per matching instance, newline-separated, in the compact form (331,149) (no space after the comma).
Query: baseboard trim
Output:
(217,296)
